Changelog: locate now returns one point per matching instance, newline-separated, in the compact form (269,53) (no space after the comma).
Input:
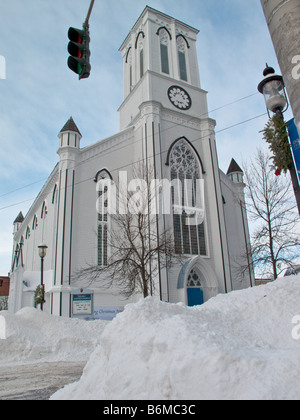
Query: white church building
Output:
(163,120)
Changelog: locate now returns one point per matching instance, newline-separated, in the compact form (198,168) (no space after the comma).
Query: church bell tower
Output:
(160,64)
(164,102)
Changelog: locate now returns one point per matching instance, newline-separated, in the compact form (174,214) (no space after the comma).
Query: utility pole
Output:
(283,20)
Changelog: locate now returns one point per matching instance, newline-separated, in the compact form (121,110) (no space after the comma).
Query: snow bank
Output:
(32,336)
(236,346)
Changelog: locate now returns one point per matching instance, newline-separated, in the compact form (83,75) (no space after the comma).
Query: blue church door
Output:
(195,296)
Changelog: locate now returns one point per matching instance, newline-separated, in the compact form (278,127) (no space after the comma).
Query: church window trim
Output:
(44,210)
(141,62)
(184,38)
(128,61)
(141,33)
(192,146)
(97,176)
(27,234)
(44,213)
(193,279)
(34,222)
(182,45)
(184,163)
(139,46)
(129,51)
(164,38)
(54,194)
(166,29)
(103,222)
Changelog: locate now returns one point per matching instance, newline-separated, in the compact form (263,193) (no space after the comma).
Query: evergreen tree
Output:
(275,134)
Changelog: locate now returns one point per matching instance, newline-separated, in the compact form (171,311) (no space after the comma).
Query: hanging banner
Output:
(295,145)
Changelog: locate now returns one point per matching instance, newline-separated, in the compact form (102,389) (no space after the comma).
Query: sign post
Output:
(82,303)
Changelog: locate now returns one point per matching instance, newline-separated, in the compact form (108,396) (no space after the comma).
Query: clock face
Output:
(179,98)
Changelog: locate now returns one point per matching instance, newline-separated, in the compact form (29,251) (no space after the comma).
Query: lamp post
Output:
(42,253)
(273,88)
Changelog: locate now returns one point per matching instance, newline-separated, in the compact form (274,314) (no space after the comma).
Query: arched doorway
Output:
(195,294)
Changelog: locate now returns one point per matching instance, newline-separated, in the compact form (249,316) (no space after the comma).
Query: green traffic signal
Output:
(78,48)
(74,65)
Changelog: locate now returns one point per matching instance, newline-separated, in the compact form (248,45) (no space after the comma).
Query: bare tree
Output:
(271,206)
(139,250)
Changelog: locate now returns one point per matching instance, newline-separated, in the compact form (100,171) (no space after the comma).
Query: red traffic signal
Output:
(78,48)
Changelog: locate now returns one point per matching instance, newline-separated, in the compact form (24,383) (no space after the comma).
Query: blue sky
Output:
(40,93)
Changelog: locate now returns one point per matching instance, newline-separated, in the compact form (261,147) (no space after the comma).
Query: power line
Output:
(16,204)
(22,188)
(140,160)
(162,131)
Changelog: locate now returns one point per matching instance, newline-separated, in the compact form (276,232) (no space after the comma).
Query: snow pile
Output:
(236,346)
(32,336)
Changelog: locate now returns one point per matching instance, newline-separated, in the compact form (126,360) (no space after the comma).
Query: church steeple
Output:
(158,53)
(235,173)
(161,44)
(18,222)
(70,135)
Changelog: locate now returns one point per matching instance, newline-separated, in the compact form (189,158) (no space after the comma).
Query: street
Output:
(37,381)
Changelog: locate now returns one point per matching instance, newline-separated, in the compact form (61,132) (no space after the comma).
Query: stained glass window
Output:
(187,200)
(103,221)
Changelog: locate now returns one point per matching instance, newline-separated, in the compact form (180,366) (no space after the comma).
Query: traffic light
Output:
(78,48)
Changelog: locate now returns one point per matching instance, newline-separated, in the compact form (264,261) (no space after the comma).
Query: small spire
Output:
(70,126)
(234,167)
(20,218)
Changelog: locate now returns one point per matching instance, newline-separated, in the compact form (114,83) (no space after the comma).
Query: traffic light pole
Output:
(78,48)
(86,22)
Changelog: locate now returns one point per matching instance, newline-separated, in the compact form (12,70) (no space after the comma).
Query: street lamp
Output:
(42,253)
(273,88)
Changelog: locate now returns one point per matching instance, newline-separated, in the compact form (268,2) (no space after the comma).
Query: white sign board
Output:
(82,304)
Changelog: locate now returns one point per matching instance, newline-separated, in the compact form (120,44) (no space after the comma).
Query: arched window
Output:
(54,194)
(129,63)
(141,61)
(103,219)
(182,46)
(139,45)
(187,199)
(164,37)
(34,222)
(44,211)
(44,218)
(194,279)
(27,234)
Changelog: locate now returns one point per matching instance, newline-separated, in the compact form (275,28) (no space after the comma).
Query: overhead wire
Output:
(138,161)
(139,139)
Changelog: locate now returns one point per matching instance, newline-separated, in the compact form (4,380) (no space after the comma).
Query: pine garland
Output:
(39,295)
(275,134)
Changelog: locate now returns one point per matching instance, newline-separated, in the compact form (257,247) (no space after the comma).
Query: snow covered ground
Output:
(244,345)
(31,336)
